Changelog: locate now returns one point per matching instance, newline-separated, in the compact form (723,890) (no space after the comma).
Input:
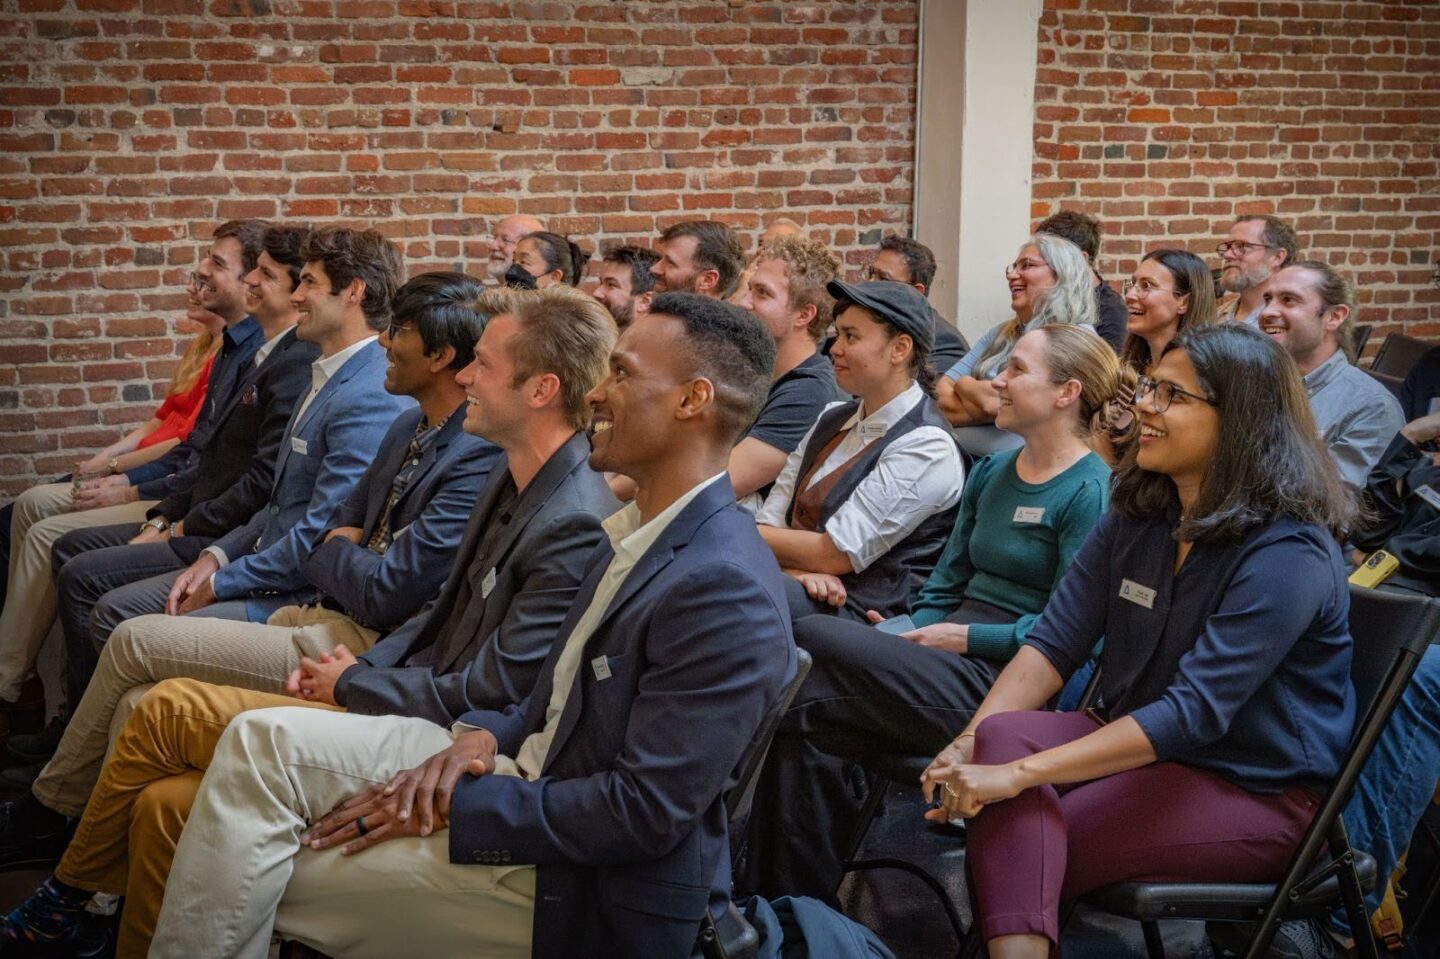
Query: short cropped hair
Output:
(729,347)
(565,332)
(442,308)
(1277,234)
(716,248)
(919,260)
(284,243)
(1078,228)
(348,255)
(250,234)
(639,260)
(809,267)
(1335,289)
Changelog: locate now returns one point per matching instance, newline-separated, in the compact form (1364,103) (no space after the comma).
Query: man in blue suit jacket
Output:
(588,819)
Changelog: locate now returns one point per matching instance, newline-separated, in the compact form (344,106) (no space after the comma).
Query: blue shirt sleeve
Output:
(968,361)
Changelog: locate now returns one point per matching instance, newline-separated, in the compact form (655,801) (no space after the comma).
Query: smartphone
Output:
(896,624)
(1377,568)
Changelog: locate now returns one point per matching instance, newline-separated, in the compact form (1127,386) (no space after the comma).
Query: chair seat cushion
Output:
(1224,901)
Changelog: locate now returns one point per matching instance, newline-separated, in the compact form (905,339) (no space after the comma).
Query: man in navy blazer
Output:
(587,819)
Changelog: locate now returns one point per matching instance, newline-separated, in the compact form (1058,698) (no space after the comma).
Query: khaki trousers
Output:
(239,868)
(147,649)
(41,517)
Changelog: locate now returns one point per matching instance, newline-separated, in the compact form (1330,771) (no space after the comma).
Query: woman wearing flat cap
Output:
(862,509)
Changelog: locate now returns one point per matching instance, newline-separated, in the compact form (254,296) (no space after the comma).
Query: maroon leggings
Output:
(1164,822)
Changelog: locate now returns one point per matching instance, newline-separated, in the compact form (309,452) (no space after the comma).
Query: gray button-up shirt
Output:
(1357,416)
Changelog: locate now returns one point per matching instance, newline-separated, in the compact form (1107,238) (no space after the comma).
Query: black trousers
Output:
(90,563)
(869,694)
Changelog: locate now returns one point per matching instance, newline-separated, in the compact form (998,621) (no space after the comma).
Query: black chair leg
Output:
(1154,945)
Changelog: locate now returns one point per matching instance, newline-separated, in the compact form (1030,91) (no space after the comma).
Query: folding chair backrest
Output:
(737,802)
(1381,624)
(1362,336)
(1398,354)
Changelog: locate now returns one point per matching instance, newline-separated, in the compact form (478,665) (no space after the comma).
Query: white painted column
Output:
(975,132)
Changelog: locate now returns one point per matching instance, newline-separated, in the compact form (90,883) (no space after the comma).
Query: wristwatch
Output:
(158,523)
(114,464)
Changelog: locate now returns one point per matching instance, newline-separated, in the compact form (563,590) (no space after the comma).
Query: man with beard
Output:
(507,233)
(626,284)
(1256,248)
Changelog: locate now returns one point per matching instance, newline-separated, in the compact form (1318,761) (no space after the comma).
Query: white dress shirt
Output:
(630,540)
(268,346)
(916,476)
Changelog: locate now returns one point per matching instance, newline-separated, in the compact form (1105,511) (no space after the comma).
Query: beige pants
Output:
(275,771)
(41,517)
(147,649)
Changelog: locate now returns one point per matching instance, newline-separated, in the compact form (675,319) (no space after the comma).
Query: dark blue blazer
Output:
(426,523)
(627,822)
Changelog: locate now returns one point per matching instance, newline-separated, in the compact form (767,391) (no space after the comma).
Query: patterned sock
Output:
(49,914)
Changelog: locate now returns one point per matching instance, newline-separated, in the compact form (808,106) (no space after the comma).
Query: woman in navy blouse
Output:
(1225,702)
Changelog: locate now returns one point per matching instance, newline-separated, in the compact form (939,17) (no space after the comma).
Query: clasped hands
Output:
(962,787)
(415,802)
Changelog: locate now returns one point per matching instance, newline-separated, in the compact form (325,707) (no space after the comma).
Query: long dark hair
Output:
(1270,461)
(1192,278)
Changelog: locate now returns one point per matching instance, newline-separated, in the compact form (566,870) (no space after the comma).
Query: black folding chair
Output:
(1362,337)
(1391,632)
(1398,354)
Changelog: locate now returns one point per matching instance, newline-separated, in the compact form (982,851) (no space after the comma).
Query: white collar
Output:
(330,365)
(630,539)
(891,413)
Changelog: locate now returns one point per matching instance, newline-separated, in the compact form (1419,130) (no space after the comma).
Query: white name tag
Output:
(1137,594)
(487,585)
(870,432)
(1029,514)
(1428,494)
(601,666)
(299,446)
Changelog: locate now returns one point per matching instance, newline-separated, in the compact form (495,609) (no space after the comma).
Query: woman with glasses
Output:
(1170,291)
(544,259)
(1023,514)
(1224,702)
(1050,282)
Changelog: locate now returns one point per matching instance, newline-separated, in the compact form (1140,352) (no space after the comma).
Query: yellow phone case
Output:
(1377,568)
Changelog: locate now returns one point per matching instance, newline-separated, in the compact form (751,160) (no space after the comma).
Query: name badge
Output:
(1029,514)
(487,585)
(870,432)
(1434,405)
(299,446)
(601,666)
(1428,494)
(1137,594)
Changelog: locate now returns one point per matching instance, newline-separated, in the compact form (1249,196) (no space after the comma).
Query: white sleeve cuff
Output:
(219,555)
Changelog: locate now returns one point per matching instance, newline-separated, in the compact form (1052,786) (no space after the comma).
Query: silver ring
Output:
(360,826)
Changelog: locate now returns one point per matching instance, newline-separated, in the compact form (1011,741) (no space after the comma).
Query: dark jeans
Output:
(869,695)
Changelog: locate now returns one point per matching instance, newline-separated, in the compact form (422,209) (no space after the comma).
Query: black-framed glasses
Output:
(1241,247)
(1164,392)
(395,329)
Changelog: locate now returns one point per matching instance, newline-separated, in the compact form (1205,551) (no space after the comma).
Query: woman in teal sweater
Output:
(907,688)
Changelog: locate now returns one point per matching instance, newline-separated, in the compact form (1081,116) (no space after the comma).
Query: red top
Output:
(178,413)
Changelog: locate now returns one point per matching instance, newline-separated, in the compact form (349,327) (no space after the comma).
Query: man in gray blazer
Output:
(518,568)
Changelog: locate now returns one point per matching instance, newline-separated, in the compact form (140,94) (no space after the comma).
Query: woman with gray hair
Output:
(1050,282)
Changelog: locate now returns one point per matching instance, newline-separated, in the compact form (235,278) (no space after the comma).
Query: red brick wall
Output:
(1168,118)
(128,128)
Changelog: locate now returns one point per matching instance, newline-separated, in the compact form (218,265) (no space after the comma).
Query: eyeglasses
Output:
(1145,288)
(1241,247)
(395,329)
(873,275)
(197,281)
(1021,266)
(1164,392)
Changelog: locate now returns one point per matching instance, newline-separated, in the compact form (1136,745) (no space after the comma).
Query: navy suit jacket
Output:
(627,823)
(482,648)
(321,458)
(426,523)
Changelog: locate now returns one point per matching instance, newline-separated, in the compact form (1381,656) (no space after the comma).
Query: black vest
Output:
(889,584)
